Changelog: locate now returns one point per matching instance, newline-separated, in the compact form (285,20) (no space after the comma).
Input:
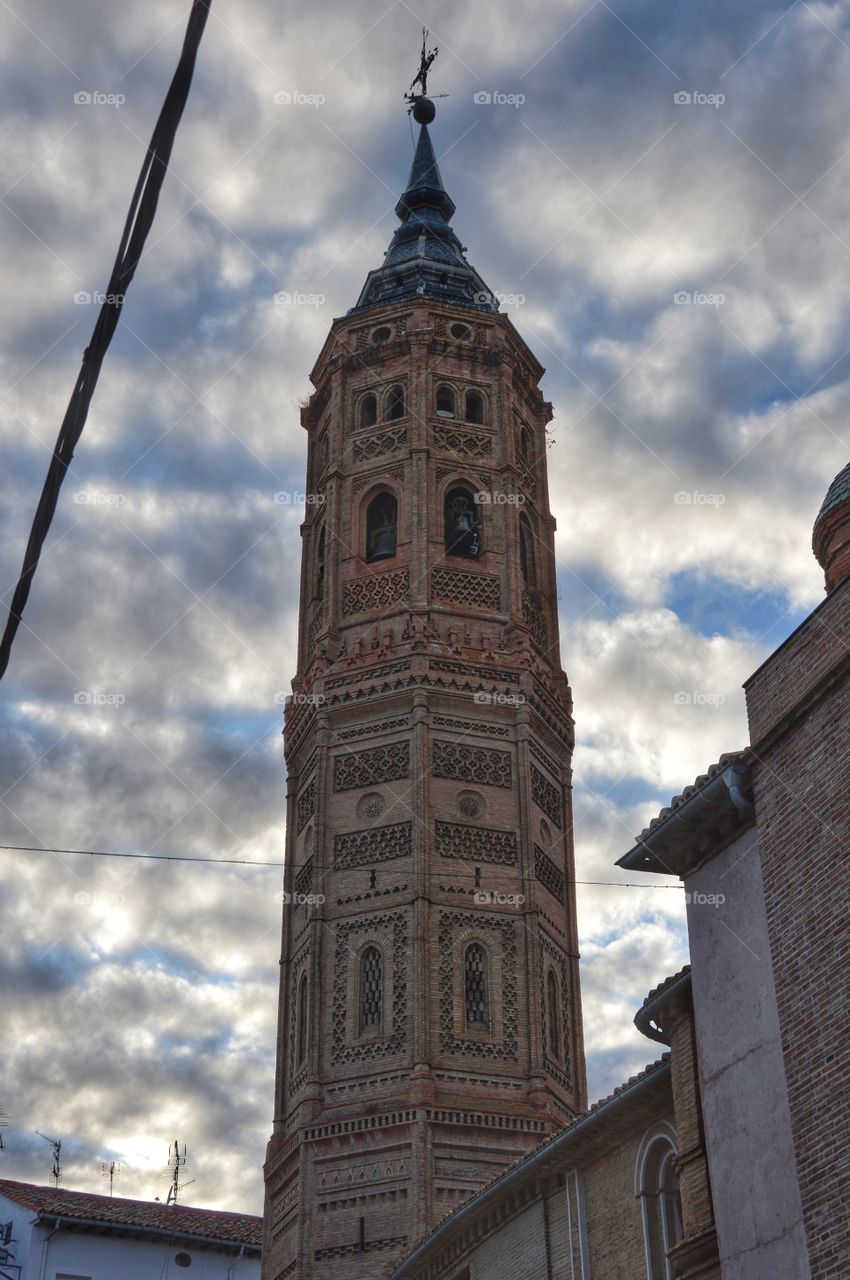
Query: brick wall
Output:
(799,710)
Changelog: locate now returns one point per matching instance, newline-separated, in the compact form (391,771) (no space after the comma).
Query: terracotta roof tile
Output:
(213,1224)
(729,757)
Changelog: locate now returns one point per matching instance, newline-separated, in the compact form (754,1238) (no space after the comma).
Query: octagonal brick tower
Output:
(430,1023)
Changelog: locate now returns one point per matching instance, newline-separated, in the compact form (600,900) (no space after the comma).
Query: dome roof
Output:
(831,533)
(838,491)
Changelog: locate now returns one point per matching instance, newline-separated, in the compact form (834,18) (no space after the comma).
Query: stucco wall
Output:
(755,1191)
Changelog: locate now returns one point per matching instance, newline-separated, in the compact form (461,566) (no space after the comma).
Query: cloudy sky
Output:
(630,155)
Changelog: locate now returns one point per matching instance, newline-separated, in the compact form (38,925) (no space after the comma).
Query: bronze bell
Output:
(382,543)
(463,535)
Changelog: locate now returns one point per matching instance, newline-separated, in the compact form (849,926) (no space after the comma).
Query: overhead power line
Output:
(255,862)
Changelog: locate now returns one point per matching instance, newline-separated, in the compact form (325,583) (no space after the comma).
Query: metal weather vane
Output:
(420,103)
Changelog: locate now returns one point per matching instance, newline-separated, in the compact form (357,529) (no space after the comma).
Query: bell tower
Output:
(430,1026)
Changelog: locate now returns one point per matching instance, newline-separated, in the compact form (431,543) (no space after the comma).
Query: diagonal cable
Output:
(136,228)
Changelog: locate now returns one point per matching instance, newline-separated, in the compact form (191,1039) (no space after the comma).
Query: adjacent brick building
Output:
(430,1016)
(752,1118)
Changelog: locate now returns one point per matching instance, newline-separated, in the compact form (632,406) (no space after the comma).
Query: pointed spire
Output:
(425,257)
(425,184)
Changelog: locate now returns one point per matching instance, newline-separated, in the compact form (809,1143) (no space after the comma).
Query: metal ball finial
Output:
(424,111)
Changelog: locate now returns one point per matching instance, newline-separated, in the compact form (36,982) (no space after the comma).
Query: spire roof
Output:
(425,258)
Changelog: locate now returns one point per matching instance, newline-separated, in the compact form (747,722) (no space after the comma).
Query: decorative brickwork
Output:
(471,764)
(304,878)
(472,726)
(306,806)
(466,444)
(361,482)
(546,796)
(551,956)
(349,935)
(535,619)
(481,590)
(380,844)
(368,730)
(503,948)
(377,446)
(378,591)
(366,768)
(548,874)
(478,844)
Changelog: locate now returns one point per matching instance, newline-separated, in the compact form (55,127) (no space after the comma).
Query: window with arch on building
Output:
(301,1020)
(553,1010)
(462,524)
(395,403)
(525,443)
(445,402)
(476,983)
(320,562)
(474,407)
(526,550)
(657,1185)
(368,410)
(381,528)
(371,990)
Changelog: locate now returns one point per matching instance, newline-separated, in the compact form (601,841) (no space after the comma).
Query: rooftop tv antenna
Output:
(176,1162)
(109,1169)
(56,1144)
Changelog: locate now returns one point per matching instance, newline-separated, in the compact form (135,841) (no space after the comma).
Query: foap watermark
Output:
(286,899)
(498,98)
(493,698)
(94,699)
(696,98)
(696,298)
(698,698)
(499,498)
(300,699)
(295,98)
(98,498)
(295,498)
(484,298)
(84,299)
(705,899)
(82,98)
(492,898)
(294,298)
(696,498)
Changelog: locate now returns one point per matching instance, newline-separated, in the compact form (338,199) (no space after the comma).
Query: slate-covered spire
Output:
(425,258)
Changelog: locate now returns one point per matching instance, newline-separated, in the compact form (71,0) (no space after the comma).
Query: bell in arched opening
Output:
(462,525)
(381,527)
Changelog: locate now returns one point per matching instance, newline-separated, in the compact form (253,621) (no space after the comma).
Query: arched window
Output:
(371,990)
(526,550)
(383,333)
(302,1018)
(474,407)
(661,1203)
(476,983)
(462,524)
(395,403)
(368,410)
(525,443)
(320,562)
(553,1009)
(381,527)
(445,402)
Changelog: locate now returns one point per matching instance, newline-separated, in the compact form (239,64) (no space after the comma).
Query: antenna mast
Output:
(176,1162)
(109,1169)
(4,1124)
(56,1144)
